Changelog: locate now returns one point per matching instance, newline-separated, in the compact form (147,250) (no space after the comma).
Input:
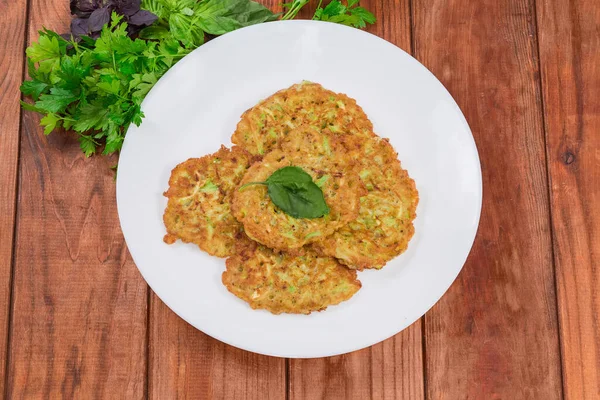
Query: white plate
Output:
(194,109)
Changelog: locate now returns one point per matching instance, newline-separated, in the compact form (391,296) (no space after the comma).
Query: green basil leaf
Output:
(289,175)
(299,200)
(221,16)
(187,11)
(218,25)
(154,32)
(294,192)
(181,26)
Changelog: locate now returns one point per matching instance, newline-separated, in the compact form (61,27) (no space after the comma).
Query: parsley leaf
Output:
(350,15)
(96,87)
(90,117)
(50,122)
(33,88)
(114,141)
(56,101)
(87,144)
(95,82)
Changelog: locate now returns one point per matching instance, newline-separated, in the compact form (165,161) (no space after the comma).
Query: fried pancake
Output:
(385,222)
(336,176)
(285,283)
(199,206)
(263,126)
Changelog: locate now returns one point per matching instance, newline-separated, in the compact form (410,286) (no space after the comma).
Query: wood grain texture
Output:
(79,304)
(12,32)
(186,363)
(569,40)
(494,334)
(392,369)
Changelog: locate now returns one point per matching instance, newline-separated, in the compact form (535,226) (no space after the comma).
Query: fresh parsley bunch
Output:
(94,79)
(95,87)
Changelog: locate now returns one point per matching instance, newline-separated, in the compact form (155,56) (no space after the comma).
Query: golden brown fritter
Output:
(311,141)
(384,224)
(338,179)
(262,127)
(285,283)
(199,206)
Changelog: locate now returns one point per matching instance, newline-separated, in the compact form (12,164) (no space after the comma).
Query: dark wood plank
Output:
(186,363)
(389,370)
(392,369)
(569,40)
(494,335)
(12,32)
(79,304)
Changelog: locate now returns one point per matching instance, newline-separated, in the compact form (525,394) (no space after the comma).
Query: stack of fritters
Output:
(277,262)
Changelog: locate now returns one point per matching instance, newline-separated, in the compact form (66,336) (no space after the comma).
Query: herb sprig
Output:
(93,80)
(294,192)
(95,87)
(351,14)
(90,16)
(188,20)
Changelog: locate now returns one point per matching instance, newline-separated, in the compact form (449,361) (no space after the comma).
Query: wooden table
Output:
(520,322)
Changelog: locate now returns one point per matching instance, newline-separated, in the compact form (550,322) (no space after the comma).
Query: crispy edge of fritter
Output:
(334,244)
(298,302)
(346,205)
(247,121)
(178,188)
(400,184)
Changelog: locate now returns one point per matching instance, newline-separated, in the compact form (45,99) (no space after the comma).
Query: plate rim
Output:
(348,348)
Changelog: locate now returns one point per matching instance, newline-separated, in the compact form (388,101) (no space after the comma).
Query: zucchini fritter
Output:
(263,126)
(199,206)
(384,224)
(264,222)
(285,283)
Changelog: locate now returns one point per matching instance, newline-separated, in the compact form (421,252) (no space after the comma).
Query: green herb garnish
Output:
(350,15)
(294,192)
(335,11)
(96,87)
(188,20)
(95,82)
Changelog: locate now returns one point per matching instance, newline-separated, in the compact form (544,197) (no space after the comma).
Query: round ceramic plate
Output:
(194,109)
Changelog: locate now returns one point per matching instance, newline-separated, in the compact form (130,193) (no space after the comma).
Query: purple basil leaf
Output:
(142,17)
(133,30)
(83,8)
(68,36)
(127,7)
(99,18)
(79,26)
